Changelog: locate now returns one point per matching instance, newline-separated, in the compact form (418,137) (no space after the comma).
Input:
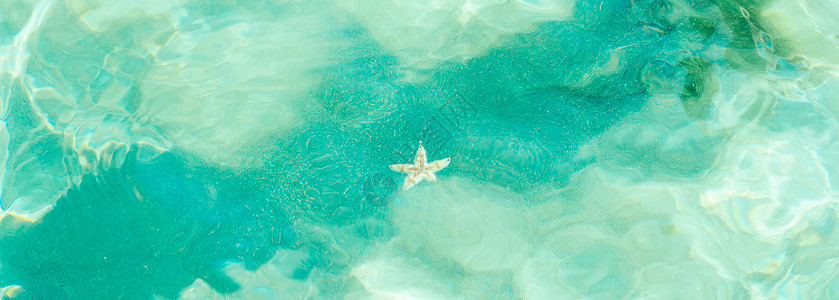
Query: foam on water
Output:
(600,149)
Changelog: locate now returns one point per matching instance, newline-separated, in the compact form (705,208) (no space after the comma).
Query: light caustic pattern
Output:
(652,149)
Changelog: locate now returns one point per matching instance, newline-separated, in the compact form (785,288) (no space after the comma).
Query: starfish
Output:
(421,169)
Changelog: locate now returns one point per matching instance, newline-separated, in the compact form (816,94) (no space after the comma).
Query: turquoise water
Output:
(600,149)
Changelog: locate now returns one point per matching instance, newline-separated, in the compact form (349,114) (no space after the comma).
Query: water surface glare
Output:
(600,149)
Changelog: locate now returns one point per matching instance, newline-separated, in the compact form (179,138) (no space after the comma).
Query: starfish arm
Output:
(428,175)
(420,160)
(411,180)
(404,168)
(438,165)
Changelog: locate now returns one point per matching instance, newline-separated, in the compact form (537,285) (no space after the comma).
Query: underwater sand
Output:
(600,149)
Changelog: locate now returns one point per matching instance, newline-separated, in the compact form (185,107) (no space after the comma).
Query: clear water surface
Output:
(601,149)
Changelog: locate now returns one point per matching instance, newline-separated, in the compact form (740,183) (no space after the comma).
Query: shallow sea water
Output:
(600,149)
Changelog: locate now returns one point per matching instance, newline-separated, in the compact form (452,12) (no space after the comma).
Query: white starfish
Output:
(421,169)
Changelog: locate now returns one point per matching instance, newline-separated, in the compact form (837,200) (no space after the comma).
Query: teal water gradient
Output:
(607,149)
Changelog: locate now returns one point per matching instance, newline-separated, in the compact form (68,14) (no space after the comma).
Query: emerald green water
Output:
(600,149)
